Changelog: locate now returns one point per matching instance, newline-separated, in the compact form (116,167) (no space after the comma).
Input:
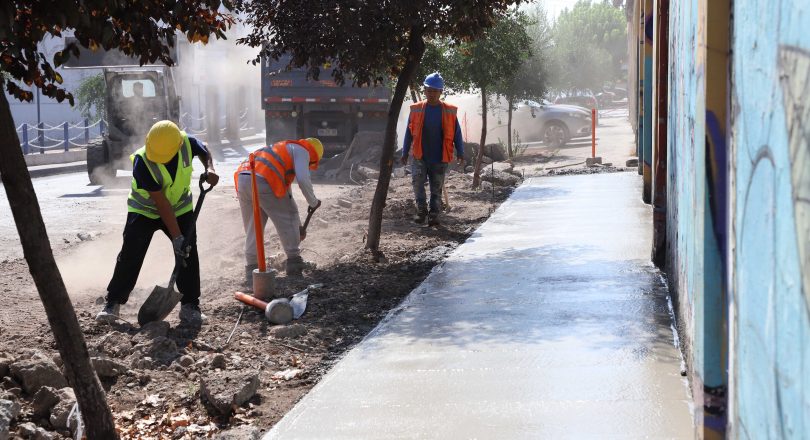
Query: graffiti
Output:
(794,65)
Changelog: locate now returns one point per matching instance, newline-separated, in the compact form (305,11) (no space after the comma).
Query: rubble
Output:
(44,400)
(5,362)
(61,411)
(243,432)
(151,330)
(108,368)
(499,178)
(37,371)
(160,349)
(9,410)
(228,390)
(114,344)
(288,331)
(359,162)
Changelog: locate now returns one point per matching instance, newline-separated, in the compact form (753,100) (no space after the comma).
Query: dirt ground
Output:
(158,393)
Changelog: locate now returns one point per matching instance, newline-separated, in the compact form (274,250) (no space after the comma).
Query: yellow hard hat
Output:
(163,141)
(317,145)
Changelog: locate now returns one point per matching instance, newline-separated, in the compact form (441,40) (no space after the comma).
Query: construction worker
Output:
(160,199)
(433,133)
(276,168)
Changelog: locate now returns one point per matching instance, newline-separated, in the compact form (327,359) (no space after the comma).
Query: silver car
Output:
(556,124)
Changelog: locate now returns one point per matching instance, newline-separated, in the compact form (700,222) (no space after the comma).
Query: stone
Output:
(44,400)
(217,360)
(186,361)
(228,390)
(593,161)
(499,178)
(5,363)
(151,331)
(344,203)
(504,167)
(27,430)
(37,371)
(108,368)
(367,173)
(9,410)
(288,331)
(161,349)
(43,434)
(115,344)
(61,411)
(486,186)
(244,432)
(632,162)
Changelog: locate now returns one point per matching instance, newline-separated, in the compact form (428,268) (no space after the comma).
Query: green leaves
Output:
(143,28)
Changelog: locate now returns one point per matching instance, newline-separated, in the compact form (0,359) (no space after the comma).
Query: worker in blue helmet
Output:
(432,137)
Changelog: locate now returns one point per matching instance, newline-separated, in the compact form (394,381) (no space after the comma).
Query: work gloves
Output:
(179,250)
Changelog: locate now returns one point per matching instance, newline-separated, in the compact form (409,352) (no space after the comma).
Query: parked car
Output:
(581,99)
(555,124)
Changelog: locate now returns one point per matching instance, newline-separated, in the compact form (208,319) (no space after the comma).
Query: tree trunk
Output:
(416,47)
(480,156)
(509,102)
(413,94)
(98,419)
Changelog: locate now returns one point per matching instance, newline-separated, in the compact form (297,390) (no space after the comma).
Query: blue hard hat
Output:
(435,81)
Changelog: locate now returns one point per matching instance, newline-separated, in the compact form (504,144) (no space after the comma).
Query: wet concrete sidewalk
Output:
(549,322)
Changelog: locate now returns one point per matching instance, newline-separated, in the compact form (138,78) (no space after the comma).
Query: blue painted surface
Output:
(771,345)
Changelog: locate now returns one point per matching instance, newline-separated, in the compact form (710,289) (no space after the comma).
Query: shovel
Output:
(163,300)
(310,211)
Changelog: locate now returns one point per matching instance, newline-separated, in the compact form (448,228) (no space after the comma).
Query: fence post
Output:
(41,136)
(26,147)
(86,131)
(101,127)
(593,132)
(67,135)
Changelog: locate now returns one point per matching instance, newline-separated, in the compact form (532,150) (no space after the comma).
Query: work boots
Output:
(109,313)
(433,219)
(420,216)
(295,266)
(190,314)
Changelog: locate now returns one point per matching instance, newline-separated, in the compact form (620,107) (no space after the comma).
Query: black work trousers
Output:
(138,234)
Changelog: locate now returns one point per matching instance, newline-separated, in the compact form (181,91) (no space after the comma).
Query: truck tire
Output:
(99,168)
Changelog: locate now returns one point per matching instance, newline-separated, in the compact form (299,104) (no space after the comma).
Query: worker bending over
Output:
(276,168)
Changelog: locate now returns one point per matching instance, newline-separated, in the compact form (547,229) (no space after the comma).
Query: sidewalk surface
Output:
(549,322)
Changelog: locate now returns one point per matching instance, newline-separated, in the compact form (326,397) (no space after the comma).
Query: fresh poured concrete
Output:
(549,322)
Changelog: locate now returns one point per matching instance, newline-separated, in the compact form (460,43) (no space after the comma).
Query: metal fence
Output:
(43,137)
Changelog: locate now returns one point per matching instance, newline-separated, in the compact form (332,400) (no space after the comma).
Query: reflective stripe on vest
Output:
(275,164)
(416,123)
(177,190)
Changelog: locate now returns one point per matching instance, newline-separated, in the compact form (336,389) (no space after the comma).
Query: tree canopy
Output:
(590,45)
(365,43)
(490,63)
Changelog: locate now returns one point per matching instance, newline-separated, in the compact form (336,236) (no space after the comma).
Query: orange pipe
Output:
(257,221)
(593,132)
(249,300)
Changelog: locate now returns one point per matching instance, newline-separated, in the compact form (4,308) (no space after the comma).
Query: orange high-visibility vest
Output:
(417,121)
(275,164)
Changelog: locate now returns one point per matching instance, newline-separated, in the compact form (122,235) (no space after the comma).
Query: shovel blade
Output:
(158,305)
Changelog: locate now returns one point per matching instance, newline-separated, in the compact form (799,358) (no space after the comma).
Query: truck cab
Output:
(136,99)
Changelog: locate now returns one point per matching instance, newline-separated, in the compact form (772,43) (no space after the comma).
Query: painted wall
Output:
(770,262)
(738,211)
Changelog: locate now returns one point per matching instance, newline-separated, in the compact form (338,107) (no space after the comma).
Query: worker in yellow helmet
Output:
(160,199)
(276,168)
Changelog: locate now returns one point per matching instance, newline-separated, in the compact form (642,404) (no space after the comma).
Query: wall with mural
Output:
(770,262)
(737,220)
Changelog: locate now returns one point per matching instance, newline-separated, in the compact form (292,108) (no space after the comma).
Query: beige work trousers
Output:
(283,212)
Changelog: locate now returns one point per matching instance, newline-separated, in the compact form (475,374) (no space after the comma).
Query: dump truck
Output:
(136,97)
(296,107)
